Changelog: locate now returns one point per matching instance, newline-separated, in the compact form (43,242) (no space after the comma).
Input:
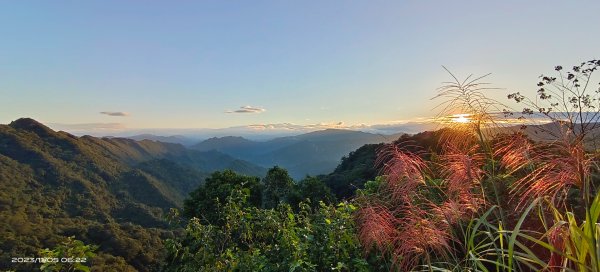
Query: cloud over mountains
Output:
(247,109)
(115,113)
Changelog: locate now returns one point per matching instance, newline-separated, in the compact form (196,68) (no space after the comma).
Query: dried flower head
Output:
(377,227)
(404,170)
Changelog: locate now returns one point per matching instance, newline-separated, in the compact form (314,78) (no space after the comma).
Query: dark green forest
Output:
(118,195)
(110,192)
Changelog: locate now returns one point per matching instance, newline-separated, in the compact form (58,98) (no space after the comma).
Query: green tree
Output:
(205,202)
(70,255)
(279,239)
(312,189)
(277,186)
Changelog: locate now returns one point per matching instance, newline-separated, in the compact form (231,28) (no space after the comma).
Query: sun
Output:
(461,118)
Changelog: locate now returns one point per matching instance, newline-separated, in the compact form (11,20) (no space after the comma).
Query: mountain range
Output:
(174,139)
(116,192)
(111,192)
(311,153)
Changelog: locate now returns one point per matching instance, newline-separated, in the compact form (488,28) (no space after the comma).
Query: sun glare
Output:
(460,118)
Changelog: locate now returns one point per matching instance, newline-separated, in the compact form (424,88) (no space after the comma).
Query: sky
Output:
(113,66)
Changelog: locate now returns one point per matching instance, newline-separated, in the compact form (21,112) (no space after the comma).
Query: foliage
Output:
(574,245)
(359,166)
(312,190)
(555,177)
(570,99)
(466,198)
(277,185)
(54,185)
(408,215)
(565,165)
(110,192)
(490,247)
(564,244)
(427,211)
(254,239)
(181,178)
(70,255)
(354,170)
(204,202)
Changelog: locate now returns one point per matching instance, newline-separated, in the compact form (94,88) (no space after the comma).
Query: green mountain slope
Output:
(359,166)
(308,154)
(110,192)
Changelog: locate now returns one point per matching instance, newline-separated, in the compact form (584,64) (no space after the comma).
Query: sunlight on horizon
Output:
(461,118)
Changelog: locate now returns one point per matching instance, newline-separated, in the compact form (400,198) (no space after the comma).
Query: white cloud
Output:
(306,127)
(115,113)
(247,109)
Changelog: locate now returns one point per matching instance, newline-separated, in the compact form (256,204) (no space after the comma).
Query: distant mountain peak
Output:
(219,143)
(176,139)
(334,131)
(228,138)
(30,124)
(26,121)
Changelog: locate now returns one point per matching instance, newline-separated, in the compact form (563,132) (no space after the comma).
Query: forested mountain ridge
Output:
(176,139)
(133,152)
(360,165)
(313,153)
(115,192)
(110,192)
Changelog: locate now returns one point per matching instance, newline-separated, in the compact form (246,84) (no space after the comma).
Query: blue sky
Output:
(214,64)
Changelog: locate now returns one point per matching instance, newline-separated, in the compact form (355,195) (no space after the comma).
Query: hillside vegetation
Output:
(313,153)
(110,192)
